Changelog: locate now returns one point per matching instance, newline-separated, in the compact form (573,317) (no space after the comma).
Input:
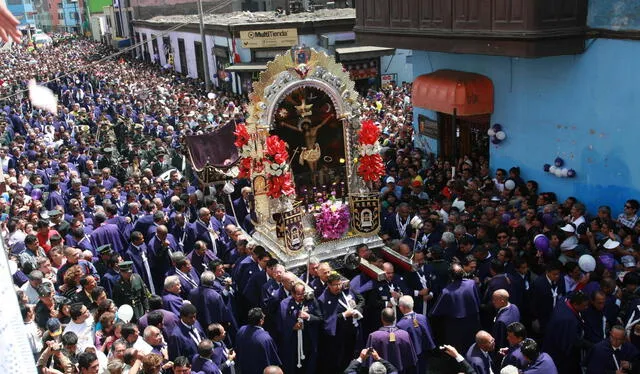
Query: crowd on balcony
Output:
(124,263)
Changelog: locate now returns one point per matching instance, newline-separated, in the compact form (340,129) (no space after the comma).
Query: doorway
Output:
(470,136)
(199,60)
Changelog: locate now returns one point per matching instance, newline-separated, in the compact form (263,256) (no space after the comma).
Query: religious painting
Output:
(259,185)
(365,213)
(306,120)
(427,131)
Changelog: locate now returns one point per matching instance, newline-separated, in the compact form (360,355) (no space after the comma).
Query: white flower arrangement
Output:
(275,169)
(369,149)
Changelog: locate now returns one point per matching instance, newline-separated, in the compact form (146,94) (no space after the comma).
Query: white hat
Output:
(611,244)
(569,244)
(568,228)
(628,261)
(391,180)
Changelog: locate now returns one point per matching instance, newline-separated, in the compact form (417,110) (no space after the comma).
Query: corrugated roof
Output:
(257,18)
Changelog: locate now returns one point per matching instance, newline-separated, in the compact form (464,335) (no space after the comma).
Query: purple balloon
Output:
(547,219)
(506,217)
(558,162)
(571,173)
(497,127)
(495,140)
(36,194)
(541,242)
(608,261)
(546,167)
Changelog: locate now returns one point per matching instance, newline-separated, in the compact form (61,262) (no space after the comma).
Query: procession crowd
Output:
(124,263)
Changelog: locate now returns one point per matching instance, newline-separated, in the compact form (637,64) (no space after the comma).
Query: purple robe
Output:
(109,233)
(169,322)
(172,302)
(211,307)
(182,342)
(543,365)
(159,259)
(400,352)
(419,330)
(255,350)
(602,358)
(340,335)
(480,361)
(287,318)
(458,310)
(563,340)
(514,357)
(504,318)
(203,365)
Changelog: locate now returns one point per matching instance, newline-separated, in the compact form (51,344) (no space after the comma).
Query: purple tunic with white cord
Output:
(394,345)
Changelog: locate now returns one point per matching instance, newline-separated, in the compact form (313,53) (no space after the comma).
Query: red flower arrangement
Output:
(277,150)
(371,167)
(280,185)
(242,136)
(242,142)
(276,156)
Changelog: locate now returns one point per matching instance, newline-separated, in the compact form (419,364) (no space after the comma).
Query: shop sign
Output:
(386,79)
(269,38)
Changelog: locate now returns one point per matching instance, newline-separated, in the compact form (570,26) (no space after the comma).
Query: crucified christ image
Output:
(311,151)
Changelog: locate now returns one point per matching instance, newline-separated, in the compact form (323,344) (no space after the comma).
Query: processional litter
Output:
(311,162)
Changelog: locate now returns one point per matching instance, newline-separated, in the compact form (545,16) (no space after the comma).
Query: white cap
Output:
(568,228)
(611,244)
(569,244)
(391,180)
(628,261)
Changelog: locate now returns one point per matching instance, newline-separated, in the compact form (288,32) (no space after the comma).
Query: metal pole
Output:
(454,144)
(205,57)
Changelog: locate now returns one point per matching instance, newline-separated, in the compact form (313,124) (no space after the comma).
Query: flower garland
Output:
(371,167)
(244,149)
(276,167)
(333,220)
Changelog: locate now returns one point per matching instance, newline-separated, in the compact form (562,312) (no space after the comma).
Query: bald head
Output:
(500,298)
(485,341)
(272,369)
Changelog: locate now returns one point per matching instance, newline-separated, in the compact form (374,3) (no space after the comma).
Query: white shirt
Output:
(84,331)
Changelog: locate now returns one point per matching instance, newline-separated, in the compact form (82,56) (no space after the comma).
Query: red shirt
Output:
(43,240)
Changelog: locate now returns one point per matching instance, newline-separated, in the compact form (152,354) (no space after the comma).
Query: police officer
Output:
(101,264)
(130,289)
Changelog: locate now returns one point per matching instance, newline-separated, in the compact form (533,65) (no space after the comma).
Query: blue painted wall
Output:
(69,9)
(21,11)
(614,14)
(399,64)
(582,108)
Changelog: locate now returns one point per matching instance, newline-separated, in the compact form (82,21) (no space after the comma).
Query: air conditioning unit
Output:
(324,41)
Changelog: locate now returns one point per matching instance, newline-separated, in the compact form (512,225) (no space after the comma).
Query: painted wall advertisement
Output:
(269,38)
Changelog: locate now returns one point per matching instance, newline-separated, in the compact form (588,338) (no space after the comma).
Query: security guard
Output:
(130,289)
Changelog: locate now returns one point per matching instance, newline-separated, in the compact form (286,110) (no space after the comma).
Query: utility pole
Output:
(203,41)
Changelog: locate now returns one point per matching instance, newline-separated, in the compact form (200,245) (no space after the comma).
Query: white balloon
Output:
(42,97)
(490,132)
(587,263)
(228,188)
(509,184)
(125,313)
(565,172)
(558,173)
(552,169)
(501,135)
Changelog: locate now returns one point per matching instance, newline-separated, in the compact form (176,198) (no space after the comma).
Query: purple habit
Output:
(400,352)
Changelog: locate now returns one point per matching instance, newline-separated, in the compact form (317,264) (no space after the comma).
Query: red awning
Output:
(446,90)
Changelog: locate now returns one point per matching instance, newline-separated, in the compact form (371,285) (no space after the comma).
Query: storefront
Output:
(363,65)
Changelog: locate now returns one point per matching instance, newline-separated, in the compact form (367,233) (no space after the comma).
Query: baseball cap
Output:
(54,326)
(628,261)
(391,180)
